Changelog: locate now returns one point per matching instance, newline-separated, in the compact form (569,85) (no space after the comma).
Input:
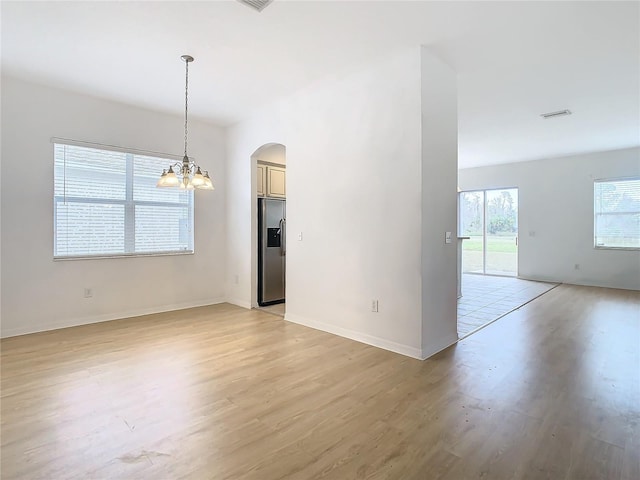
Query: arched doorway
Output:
(268,256)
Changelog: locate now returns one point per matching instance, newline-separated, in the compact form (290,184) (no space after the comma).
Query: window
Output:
(106,204)
(617,213)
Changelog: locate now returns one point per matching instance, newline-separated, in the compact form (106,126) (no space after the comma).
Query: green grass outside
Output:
(500,244)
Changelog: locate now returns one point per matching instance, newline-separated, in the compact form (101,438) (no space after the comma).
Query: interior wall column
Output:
(439,203)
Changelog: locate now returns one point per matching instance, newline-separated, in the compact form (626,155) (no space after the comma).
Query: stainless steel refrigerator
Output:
(272,228)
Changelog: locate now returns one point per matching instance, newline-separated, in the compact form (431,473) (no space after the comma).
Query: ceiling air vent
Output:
(560,113)
(258,5)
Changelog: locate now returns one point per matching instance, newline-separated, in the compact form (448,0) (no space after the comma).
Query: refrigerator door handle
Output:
(283,236)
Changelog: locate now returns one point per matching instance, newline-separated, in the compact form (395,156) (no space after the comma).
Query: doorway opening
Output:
(490,289)
(490,219)
(268,164)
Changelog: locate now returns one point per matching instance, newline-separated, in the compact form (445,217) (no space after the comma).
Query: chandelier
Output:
(187,174)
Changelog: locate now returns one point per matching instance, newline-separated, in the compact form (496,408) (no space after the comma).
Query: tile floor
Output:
(277,309)
(486,298)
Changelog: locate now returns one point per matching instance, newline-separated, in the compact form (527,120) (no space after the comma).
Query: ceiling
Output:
(514,60)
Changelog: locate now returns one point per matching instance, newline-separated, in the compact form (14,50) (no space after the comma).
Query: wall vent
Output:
(258,5)
(559,113)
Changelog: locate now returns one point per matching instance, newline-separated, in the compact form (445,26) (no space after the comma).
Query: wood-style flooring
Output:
(550,391)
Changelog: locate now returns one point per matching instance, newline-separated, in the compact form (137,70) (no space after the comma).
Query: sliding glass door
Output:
(471,218)
(501,238)
(490,219)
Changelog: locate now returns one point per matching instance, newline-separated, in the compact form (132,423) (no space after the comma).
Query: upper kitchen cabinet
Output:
(271,181)
(261,180)
(276,181)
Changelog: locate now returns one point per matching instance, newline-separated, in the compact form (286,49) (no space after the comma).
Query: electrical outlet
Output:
(88,292)
(374,306)
(300,236)
(576,266)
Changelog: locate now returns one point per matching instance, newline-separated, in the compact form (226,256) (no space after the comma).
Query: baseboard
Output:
(239,303)
(445,343)
(600,285)
(357,336)
(14,332)
(583,283)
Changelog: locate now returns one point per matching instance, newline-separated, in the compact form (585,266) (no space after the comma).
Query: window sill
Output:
(124,255)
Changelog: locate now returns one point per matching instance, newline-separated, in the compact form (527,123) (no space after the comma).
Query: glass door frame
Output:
(485,227)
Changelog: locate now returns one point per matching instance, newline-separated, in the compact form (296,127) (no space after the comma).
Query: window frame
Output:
(596,213)
(128,203)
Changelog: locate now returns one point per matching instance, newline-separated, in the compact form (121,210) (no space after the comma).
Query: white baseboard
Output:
(440,346)
(357,336)
(55,325)
(584,283)
(239,303)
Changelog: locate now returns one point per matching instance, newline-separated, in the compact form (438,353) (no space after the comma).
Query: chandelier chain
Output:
(186,109)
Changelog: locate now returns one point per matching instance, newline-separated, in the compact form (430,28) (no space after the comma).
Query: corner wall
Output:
(40,294)
(555,199)
(439,203)
(353,191)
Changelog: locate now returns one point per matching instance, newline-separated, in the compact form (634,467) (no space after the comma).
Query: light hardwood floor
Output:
(550,391)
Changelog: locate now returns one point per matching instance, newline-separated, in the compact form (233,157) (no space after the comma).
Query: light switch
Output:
(300,236)
(447,237)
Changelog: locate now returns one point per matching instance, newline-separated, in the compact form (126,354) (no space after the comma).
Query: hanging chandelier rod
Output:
(187,175)
(187,59)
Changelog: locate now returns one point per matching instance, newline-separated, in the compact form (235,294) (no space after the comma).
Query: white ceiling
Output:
(515,60)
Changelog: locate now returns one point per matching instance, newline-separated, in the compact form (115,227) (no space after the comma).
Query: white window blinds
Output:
(106,204)
(617,213)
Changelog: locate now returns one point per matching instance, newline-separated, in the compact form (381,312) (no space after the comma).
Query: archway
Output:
(268,182)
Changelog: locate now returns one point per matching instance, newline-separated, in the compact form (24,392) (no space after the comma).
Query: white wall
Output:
(1,228)
(40,294)
(556,216)
(354,191)
(439,203)
(241,207)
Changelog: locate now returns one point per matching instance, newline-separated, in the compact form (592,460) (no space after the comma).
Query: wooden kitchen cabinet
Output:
(261,180)
(276,182)
(271,181)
